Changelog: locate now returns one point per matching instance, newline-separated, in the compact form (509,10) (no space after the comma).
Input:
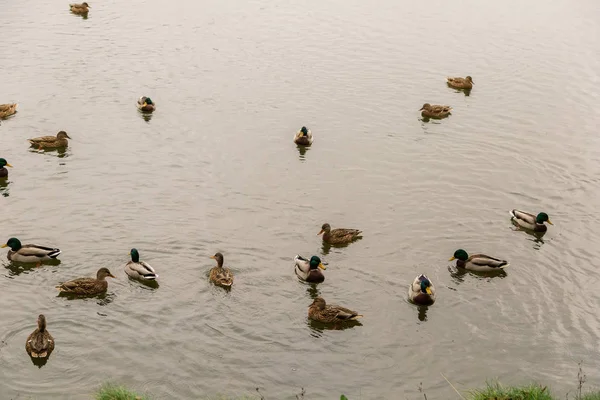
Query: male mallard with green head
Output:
(4,171)
(422,291)
(460,83)
(321,312)
(339,235)
(87,286)
(309,271)
(219,275)
(80,9)
(6,110)
(435,111)
(140,270)
(29,253)
(303,137)
(478,262)
(40,342)
(530,221)
(51,142)
(145,104)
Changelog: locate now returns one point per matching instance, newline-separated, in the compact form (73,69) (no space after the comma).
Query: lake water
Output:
(215,169)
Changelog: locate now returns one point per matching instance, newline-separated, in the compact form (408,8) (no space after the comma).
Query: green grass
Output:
(495,391)
(591,396)
(114,392)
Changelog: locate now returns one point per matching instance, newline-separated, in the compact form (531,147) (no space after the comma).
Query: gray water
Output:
(215,169)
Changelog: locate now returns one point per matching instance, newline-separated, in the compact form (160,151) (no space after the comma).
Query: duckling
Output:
(87,286)
(529,221)
(6,110)
(80,9)
(303,137)
(478,262)
(339,235)
(4,171)
(137,269)
(460,83)
(145,104)
(40,342)
(220,276)
(29,253)
(435,111)
(321,312)
(309,271)
(51,142)
(422,291)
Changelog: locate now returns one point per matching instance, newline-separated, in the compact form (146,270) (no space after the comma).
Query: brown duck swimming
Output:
(339,235)
(321,312)
(6,110)
(40,342)
(87,286)
(435,111)
(80,9)
(51,142)
(460,83)
(218,275)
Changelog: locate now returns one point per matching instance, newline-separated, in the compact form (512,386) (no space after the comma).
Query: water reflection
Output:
(147,116)
(458,274)
(103,299)
(319,327)
(537,236)
(147,285)
(467,92)
(312,290)
(302,151)
(17,268)
(39,362)
(326,247)
(422,313)
(4,191)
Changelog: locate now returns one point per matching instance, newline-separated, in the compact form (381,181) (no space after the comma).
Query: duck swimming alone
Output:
(321,312)
(4,171)
(529,221)
(339,235)
(303,137)
(140,270)
(460,83)
(435,111)
(6,110)
(478,262)
(29,253)
(40,342)
(51,142)
(218,275)
(87,286)
(145,104)
(309,271)
(422,291)
(80,9)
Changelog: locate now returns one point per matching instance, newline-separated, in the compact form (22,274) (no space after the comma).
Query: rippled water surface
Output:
(215,169)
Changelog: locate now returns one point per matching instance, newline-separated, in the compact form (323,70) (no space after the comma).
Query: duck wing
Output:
(523,216)
(487,261)
(34,250)
(140,270)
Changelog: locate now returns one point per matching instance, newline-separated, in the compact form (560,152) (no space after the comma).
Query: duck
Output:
(29,253)
(339,235)
(80,9)
(530,221)
(309,271)
(218,275)
(4,171)
(87,286)
(6,110)
(146,104)
(478,262)
(51,142)
(40,342)
(422,291)
(460,83)
(435,111)
(321,312)
(303,137)
(140,270)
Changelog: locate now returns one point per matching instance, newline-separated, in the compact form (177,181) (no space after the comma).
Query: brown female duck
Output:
(6,110)
(321,312)
(80,9)
(40,342)
(460,83)
(435,111)
(51,142)
(87,286)
(339,235)
(218,275)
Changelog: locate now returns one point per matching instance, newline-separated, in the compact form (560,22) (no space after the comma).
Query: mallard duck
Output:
(51,142)
(422,291)
(303,137)
(460,83)
(309,271)
(339,235)
(478,262)
(6,110)
(80,9)
(529,221)
(145,104)
(218,275)
(137,269)
(321,312)
(435,111)
(4,171)
(29,253)
(40,342)
(87,286)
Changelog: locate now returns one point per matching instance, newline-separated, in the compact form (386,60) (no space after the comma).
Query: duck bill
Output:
(421,109)
(8,165)
(4,245)
(428,290)
(320,232)
(452,259)
(322,266)
(145,104)
(548,218)
(213,257)
(112,276)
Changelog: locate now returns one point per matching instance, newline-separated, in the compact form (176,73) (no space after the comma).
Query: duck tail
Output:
(151,277)
(54,253)
(512,213)
(355,317)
